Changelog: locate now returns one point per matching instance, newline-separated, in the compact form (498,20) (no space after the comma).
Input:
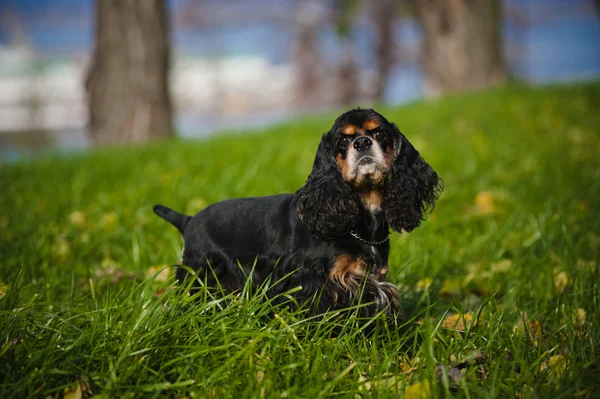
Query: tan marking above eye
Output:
(370,125)
(349,130)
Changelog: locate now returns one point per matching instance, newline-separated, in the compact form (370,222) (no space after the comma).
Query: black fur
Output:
(326,203)
(306,235)
(177,219)
(412,189)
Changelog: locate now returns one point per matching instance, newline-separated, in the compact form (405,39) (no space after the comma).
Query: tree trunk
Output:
(344,14)
(348,76)
(127,84)
(306,54)
(384,15)
(462,44)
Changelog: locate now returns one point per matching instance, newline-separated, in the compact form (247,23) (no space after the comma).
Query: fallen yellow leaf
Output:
(108,263)
(162,270)
(387,382)
(451,287)
(581,316)
(195,204)
(501,266)
(73,393)
(62,247)
(582,207)
(555,367)
(420,390)
(405,367)
(458,321)
(485,202)
(109,220)
(561,280)
(424,284)
(3,289)
(77,218)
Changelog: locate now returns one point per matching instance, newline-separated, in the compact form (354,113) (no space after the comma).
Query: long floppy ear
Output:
(326,203)
(412,189)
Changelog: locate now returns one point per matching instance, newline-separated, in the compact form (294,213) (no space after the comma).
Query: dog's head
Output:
(365,161)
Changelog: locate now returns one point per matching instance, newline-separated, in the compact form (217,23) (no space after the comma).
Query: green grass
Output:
(513,244)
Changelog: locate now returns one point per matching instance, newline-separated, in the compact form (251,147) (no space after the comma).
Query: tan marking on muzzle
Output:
(344,167)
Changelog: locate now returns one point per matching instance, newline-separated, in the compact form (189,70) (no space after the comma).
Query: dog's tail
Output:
(177,219)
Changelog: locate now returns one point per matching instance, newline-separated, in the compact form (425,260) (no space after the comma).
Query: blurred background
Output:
(82,73)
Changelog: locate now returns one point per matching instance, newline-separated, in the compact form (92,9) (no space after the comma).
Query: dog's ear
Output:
(326,203)
(412,189)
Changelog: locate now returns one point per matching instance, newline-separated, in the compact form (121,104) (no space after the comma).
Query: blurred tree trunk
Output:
(348,75)
(462,44)
(127,84)
(383,15)
(307,58)
(348,87)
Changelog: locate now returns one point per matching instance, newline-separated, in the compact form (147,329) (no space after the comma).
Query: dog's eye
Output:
(344,141)
(378,135)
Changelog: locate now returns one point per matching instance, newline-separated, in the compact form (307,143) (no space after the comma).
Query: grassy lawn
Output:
(500,286)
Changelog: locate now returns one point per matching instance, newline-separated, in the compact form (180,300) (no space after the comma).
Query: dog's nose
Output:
(362,143)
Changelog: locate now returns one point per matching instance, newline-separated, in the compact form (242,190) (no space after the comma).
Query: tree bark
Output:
(384,15)
(348,76)
(306,53)
(462,44)
(127,84)
(344,13)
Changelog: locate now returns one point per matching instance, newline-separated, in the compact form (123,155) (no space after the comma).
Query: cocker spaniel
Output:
(331,237)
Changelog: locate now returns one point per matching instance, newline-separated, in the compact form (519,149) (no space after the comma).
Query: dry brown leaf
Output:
(525,326)
(260,375)
(112,274)
(453,373)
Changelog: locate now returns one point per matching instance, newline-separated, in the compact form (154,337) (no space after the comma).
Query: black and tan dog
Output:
(331,237)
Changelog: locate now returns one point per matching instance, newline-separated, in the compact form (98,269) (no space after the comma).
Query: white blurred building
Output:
(36,94)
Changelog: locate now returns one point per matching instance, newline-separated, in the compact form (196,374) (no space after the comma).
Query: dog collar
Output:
(353,234)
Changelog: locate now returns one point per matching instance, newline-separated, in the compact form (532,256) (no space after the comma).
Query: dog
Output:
(331,237)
